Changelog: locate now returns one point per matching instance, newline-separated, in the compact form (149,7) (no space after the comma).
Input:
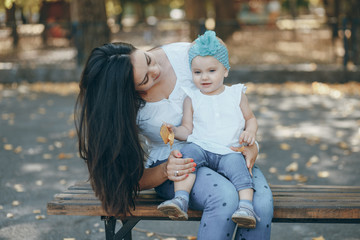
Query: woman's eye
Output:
(148,59)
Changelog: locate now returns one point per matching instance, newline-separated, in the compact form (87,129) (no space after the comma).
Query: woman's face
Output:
(146,70)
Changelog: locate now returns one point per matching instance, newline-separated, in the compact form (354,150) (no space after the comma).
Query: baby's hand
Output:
(247,137)
(171,127)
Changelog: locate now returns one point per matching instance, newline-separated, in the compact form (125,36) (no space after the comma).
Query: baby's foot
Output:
(175,209)
(245,217)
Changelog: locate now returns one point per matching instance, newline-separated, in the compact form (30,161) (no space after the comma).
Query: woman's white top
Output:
(153,114)
(217,119)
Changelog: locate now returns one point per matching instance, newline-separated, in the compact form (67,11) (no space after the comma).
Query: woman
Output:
(125,92)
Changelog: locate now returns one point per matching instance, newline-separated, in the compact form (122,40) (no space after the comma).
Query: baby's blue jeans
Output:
(217,197)
(232,165)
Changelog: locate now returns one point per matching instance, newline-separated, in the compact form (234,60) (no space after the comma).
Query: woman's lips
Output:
(157,77)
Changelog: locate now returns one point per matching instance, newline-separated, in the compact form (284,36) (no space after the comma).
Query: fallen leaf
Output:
(323,174)
(191,237)
(272,170)
(47,156)
(41,140)
(18,149)
(37,211)
(42,111)
(58,144)
(149,234)
(39,182)
(8,147)
(87,232)
(335,158)
(69,238)
(19,188)
(285,177)
(65,155)
(1,207)
(40,217)
(313,159)
(343,145)
(324,147)
(313,140)
(72,133)
(9,215)
(318,238)
(15,203)
(101,230)
(300,178)
(62,181)
(63,168)
(295,155)
(293,167)
(284,146)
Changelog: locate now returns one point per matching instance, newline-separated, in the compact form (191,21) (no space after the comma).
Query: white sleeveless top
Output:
(153,114)
(218,120)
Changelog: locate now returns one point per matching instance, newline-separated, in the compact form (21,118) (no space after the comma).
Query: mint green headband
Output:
(208,45)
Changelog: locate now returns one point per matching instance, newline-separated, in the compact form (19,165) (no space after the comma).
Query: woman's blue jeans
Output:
(217,197)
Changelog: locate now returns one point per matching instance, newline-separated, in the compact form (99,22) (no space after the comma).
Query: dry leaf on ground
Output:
(293,167)
(323,174)
(285,177)
(272,170)
(284,146)
(318,238)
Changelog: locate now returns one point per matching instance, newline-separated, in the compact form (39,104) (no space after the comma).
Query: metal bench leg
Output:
(125,230)
(110,223)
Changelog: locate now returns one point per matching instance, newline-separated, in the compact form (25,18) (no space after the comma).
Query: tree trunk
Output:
(90,29)
(196,14)
(226,23)
(11,22)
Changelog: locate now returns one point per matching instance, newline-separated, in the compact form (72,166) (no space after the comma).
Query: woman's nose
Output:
(154,70)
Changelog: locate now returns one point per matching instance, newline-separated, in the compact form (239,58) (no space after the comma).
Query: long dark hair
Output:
(106,110)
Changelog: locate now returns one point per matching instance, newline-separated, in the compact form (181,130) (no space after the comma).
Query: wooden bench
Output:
(302,204)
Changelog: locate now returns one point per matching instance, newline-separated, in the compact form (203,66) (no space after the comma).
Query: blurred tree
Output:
(195,12)
(89,23)
(226,22)
(11,21)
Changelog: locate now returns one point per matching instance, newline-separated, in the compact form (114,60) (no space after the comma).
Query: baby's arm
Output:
(185,129)
(251,126)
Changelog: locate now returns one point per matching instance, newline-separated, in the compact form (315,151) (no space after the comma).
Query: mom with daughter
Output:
(126,94)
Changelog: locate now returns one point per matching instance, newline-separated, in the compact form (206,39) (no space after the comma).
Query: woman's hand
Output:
(178,168)
(250,153)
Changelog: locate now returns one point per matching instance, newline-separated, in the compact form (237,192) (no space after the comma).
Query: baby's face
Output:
(208,74)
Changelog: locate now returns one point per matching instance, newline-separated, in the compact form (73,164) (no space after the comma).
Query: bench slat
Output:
(291,203)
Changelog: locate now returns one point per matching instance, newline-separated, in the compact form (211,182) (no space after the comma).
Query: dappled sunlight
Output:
(309,133)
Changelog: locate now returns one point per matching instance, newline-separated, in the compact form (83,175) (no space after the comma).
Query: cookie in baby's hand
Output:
(167,135)
(238,149)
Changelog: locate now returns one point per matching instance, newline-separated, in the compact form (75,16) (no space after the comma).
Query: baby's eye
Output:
(197,72)
(212,70)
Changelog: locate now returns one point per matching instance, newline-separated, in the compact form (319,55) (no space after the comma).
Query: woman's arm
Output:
(153,177)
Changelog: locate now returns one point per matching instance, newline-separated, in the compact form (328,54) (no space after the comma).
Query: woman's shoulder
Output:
(176,45)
